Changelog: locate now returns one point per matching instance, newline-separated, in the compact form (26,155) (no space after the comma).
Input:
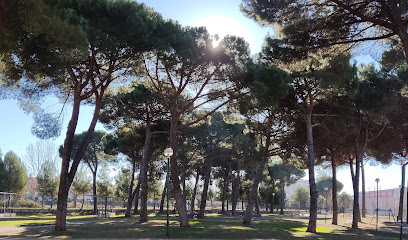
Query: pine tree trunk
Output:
(207,175)
(334,187)
(161,209)
(402,33)
(136,198)
(235,193)
(61,214)
(183,180)
(356,207)
(95,198)
(257,178)
(131,192)
(312,181)
(282,197)
(356,181)
(143,174)
(363,198)
(224,194)
(253,194)
(273,195)
(401,202)
(257,209)
(178,195)
(68,173)
(193,197)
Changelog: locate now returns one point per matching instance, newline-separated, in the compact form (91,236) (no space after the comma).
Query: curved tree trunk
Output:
(178,195)
(193,197)
(312,181)
(334,187)
(207,175)
(131,192)
(253,194)
(161,210)
(257,178)
(68,173)
(136,198)
(143,174)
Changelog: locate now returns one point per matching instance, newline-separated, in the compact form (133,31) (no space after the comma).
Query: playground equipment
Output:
(7,203)
(384,212)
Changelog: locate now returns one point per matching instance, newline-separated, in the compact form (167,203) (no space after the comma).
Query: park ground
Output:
(214,226)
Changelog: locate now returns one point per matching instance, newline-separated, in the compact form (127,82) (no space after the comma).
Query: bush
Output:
(26,203)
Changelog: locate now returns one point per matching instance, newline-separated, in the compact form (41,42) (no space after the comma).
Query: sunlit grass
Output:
(36,219)
(318,229)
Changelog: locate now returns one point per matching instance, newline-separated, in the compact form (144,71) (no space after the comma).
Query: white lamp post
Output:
(168,152)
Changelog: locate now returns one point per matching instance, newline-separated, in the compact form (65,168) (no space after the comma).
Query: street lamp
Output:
(377,180)
(325,189)
(168,152)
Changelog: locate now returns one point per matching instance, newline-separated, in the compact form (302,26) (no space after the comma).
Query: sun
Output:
(223,26)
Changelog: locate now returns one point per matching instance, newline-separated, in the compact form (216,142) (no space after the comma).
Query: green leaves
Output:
(13,177)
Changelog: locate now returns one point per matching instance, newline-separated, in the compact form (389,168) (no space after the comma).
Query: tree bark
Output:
(75,200)
(131,192)
(178,195)
(282,197)
(273,195)
(68,173)
(224,194)
(136,198)
(161,209)
(95,198)
(312,181)
(363,198)
(207,175)
(61,214)
(143,174)
(334,187)
(235,192)
(359,156)
(257,178)
(83,200)
(257,209)
(401,201)
(193,197)
(253,194)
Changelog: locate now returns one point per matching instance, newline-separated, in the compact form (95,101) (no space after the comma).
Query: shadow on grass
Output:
(271,228)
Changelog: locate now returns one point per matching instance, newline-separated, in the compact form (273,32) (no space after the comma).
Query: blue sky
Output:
(220,17)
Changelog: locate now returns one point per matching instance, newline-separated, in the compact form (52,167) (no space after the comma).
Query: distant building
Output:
(388,199)
(32,189)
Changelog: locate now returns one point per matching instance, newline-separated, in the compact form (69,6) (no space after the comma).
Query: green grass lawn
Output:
(215,228)
(38,219)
